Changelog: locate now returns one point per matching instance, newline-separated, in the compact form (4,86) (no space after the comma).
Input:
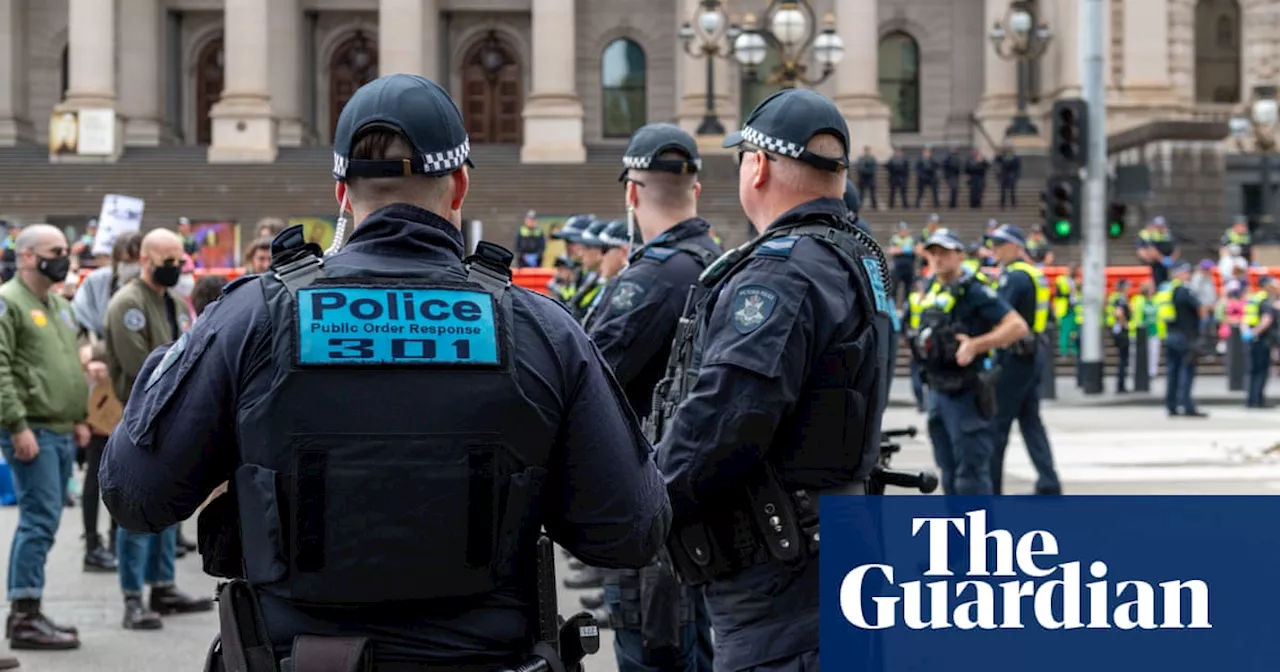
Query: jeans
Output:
(145,557)
(1259,366)
(1180,368)
(41,488)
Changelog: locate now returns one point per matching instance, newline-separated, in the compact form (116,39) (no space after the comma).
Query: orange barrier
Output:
(534,279)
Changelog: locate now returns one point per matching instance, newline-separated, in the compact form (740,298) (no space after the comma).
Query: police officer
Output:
(1237,241)
(1157,247)
(634,328)
(866,166)
(571,234)
(963,319)
(355,424)
(976,168)
(926,176)
(1260,331)
(915,306)
(531,242)
(898,169)
(1177,307)
(1009,169)
(797,315)
(592,282)
(615,243)
(952,168)
(1025,288)
(853,201)
(902,254)
(1039,250)
(1118,319)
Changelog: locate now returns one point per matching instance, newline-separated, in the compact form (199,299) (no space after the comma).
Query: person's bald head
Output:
(160,248)
(39,238)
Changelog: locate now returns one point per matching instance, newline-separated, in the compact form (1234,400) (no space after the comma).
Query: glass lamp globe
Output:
(686,31)
(789,25)
(1020,23)
(996,35)
(1239,126)
(711,20)
(828,48)
(749,48)
(1265,112)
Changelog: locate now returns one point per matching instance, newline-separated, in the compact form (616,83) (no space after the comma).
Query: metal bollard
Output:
(1141,358)
(1049,365)
(1235,360)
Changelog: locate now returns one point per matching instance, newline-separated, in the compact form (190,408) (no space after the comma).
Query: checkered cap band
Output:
(771,144)
(434,163)
(637,162)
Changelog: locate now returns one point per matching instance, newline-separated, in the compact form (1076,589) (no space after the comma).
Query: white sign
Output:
(120,215)
(97,133)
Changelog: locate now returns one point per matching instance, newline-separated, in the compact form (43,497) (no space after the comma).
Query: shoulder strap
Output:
(490,267)
(299,273)
(295,262)
(702,254)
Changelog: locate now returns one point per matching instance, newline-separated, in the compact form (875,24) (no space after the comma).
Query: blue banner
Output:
(1011,584)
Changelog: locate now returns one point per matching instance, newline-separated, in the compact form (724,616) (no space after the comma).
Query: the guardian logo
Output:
(1049,592)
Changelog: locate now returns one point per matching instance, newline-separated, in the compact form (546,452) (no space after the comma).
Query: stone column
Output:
(91,32)
(553,113)
(1000,79)
(406,38)
(1146,52)
(857,78)
(286,72)
(140,63)
(691,77)
(243,128)
(1066,47)
(15,127)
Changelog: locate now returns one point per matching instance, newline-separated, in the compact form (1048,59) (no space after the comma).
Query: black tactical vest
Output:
(395,456)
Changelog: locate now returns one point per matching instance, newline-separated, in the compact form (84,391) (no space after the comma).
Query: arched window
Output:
(353,64)
(1218,51)
(66,70)
(492,92)
(622,80)
(900,81)
(208,87)
(755,86)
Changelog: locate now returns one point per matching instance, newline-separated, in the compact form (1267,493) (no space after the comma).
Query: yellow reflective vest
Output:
(1063,297)
(1253,310)
(915,306)
(1114,301)
(1042,293)
(1166,312)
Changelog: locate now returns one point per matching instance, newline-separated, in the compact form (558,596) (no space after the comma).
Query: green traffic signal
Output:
(1115,229)
(1062,227)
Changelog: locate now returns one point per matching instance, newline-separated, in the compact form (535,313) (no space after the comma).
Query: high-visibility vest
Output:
(1063,296)
(1138,314)
(1114,301)
(915,306)
(974,268)
(1166,312)
(1234,238)
(1150,236)
(1253,310)
(1042,293)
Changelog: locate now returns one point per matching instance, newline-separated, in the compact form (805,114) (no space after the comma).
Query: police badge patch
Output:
(626,297)
(751,306)
(134,320)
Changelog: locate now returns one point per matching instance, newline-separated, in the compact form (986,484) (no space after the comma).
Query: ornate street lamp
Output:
(789,27)
(1020,37)
(1260,124)
(360,58)
(714,35)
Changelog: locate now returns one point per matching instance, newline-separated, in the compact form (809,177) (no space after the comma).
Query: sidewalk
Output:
(1208,391)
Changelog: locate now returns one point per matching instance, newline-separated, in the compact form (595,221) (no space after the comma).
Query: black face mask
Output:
(166,276)
(55,269)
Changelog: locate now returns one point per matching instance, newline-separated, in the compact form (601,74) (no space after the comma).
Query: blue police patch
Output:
(778,247)
(659,253)
(877,284)
(397,326)
(751,306)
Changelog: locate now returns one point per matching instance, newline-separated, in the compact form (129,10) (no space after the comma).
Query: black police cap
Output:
(414,106)
(785,123)
(616,234)
(572,228)
(591,236)
(648,143)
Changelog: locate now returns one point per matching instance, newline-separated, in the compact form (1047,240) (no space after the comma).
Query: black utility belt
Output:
(769,526)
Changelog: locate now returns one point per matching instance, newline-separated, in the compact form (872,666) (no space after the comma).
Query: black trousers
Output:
(931,185)
(867,189)
(92,495)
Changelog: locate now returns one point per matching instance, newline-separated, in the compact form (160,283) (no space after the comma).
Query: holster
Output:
(660,606)
(242,641)
(312,653)
(986,392)
(218,536)
(1027,346)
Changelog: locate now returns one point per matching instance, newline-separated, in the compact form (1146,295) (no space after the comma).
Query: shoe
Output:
(9,663)
(1173,414)
(99,560)
(590,577)
(165,601)
(179,551)
(1195,414)
(577,565)
(70,501)
(138,617)
(187,544)
(592,601)
(30,630)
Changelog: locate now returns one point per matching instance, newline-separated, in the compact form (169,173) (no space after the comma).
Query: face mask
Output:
(166,276)
(127,272)
(55,269)
(185,284)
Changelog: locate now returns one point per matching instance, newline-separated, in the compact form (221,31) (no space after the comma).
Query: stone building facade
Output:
(246,77)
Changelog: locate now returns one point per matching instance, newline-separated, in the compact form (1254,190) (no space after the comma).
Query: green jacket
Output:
(136,323)
(42,383)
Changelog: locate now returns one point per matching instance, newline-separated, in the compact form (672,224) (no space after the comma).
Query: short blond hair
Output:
(800,176)
(379,144)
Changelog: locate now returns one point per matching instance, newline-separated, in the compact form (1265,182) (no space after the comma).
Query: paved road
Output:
(1099,450)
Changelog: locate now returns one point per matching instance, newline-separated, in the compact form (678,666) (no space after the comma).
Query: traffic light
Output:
(1069,146)
(1115,219)
(1062,208)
